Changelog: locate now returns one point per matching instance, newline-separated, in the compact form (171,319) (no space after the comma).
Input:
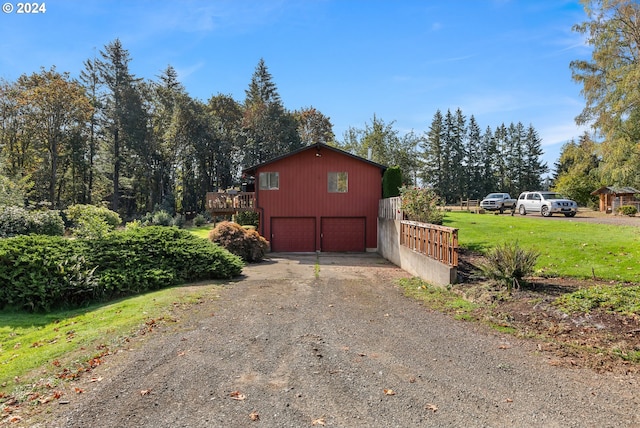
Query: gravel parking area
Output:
(329,340)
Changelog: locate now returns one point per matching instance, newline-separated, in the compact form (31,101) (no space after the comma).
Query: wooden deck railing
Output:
(437,242)
(222,202)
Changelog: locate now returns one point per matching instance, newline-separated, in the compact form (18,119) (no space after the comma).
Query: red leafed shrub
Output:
(247,244)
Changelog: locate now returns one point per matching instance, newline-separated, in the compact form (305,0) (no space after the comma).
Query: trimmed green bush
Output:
(148,258)
(508,264)
(46,222)
(16,221)
(391,182)
(248,218)
(178,221)
(40,273)
(161,218)
(90,221)
(13,221)
(245,243)
(199,220)
(629,210)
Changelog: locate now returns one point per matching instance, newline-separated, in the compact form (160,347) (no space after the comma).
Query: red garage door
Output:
(296,234)
(342,233)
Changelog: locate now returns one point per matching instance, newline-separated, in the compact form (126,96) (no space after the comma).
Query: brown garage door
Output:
(342,233)
(296,234)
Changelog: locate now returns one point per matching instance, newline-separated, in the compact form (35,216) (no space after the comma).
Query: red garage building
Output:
(318,198)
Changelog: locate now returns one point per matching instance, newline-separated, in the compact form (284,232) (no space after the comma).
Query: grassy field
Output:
(567,248)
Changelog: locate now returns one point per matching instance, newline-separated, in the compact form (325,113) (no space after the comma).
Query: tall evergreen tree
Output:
(122,109)
(90,79)
(433,172)
(268,128)
(534,167)
(490,163)
(474,161)
(458,168)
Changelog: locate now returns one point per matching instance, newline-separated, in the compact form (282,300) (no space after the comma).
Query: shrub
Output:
(199,220)
(629,210)
(46,222)
(248,218)
(42,272)
(508,264)
(391,182)
(161,218)
(90,221)
(178,221)
(16,221)
(247,244)
(147,258)
(421,205)
(13,221)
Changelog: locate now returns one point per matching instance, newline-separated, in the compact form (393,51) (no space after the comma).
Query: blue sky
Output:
(502,61)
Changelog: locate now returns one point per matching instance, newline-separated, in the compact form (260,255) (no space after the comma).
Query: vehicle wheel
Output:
(545,211)
(522,211)
(570,214)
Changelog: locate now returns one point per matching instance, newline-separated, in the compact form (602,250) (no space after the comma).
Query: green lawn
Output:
(567,248)
(49,343)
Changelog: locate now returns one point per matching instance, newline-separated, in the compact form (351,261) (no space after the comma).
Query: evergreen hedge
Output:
(39,273)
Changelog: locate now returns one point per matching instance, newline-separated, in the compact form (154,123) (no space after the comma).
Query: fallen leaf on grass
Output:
(237,395)
(319,421)
(431,407)
(254,416)
(389,392)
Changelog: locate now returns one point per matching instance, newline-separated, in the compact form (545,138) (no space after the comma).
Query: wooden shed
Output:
(612,198)
(318,198)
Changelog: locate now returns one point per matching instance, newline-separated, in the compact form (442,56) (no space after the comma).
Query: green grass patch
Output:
(201,231)
(620,299)
(567,248)
(438,298)
(36,346)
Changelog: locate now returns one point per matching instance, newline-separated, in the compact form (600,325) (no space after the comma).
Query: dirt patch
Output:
(599,340)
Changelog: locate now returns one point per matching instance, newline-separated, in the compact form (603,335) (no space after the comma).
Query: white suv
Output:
(545,203)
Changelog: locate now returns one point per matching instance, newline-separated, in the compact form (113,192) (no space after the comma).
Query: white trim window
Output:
(338,182)
(269,181)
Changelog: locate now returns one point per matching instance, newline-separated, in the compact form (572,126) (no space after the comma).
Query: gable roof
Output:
(317,146)
(613,190)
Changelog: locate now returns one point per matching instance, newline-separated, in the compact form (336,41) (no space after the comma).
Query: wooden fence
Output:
(390,208)
(436,242)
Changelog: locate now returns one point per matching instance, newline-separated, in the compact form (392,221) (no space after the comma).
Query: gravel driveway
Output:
(291,346)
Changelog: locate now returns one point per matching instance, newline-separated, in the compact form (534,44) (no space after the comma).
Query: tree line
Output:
(109,136)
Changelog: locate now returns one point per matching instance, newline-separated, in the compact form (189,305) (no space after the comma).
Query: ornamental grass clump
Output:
(508,264)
